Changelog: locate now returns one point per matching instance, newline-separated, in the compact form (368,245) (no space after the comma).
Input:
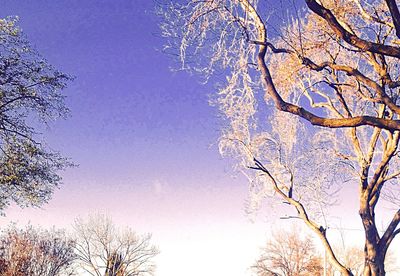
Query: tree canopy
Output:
(288,253)
(333,64)
(36,252)
(30,95)
(103,249)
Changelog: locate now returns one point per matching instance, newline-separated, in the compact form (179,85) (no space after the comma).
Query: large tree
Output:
(334,65)
(30,96)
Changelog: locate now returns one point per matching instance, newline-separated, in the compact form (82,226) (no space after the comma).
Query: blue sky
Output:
(129,112)
(144,138)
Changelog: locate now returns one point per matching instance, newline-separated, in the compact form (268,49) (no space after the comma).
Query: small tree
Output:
(36,252)
(30,91)
(289,254)
(105,250)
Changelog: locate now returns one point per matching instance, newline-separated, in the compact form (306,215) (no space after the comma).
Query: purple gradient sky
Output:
(141,136)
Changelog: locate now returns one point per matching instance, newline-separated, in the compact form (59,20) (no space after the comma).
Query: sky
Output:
(143,137)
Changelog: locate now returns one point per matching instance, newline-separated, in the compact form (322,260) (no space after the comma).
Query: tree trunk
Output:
(374,255)
(374,267)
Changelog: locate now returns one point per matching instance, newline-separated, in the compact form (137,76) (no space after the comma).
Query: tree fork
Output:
(318,230)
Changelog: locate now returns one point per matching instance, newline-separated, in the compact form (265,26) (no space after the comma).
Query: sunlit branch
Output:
(302,213)
(359,76)
(392,176)
(350,38)
(391,231)
(328,104)
(312,118)
(339,95)
(376,182)
(394,11)
(321,121)
(350,71)
(367,16)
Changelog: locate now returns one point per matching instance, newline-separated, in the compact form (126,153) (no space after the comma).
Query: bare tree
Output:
(30,92)
(105,250)
(353,258)
(289,254)
(335,65)
(36,252)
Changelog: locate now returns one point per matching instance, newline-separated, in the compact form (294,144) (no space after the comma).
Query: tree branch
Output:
(319,230)
(312,118)
(359,76)
(391,231)
(394,12)
(370,17)
(392,176)
(350,38)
